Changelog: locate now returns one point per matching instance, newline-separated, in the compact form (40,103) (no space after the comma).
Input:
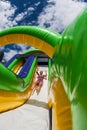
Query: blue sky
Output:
(52,14)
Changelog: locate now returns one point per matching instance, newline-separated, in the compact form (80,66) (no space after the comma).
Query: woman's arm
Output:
(37,72)
(45,74)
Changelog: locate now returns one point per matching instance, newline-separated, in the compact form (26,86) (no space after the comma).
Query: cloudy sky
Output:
(53,14)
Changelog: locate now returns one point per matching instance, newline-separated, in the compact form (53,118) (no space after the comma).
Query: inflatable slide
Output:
(67,78)
(35,112)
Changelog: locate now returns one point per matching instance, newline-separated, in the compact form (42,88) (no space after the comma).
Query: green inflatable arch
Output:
(34,36)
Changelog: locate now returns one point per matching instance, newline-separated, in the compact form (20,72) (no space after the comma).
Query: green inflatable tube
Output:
(46,35)
(12,82)
(70,62)
(9,81)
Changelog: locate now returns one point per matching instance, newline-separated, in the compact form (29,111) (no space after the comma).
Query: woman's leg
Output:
(39,88)
(34,87)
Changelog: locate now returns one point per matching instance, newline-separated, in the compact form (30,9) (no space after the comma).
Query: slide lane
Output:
(43,95)
(10,100)
(33,115)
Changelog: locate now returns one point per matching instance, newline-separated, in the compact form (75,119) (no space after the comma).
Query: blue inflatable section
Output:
(24,71)
(11,60)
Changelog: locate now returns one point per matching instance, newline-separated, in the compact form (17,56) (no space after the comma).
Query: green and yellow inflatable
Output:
(68,75)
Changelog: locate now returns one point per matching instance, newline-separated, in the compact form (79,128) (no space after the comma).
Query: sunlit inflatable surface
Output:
(67,75)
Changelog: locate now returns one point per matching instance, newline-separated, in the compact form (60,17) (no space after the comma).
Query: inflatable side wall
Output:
(70,64)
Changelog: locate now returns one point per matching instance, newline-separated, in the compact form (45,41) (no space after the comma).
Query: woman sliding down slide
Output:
(39,82)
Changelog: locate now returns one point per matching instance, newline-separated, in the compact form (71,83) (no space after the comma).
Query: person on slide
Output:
(39,82)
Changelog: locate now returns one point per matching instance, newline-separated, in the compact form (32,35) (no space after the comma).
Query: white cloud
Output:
(79,0)
(60,14)
(6,13)
(37,3)
(19,17)
(23,47)
(8,55)
(30,9)
(24,14)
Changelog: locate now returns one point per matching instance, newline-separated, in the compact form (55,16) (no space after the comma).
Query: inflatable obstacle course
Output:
(68,52)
